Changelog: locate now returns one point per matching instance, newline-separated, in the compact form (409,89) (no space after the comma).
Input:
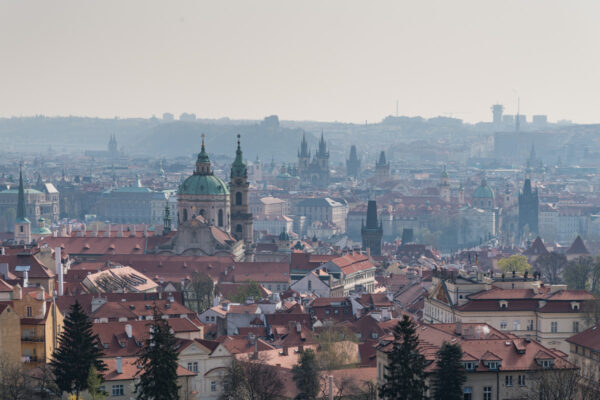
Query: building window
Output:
(503,325)
(195,366)
(487,393)
(493,365)
(521,380)
(118,390)
(530,325)
(516,325)
(190,366)
(553,326)
(213,386)
(238,198)
(29,312)
(508,380)
(185,216)
(220,218)
(468,393)
(309,284)
(469,366)
(21,228)
(575,326)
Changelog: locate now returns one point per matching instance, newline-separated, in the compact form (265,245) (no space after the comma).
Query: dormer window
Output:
(503,304)
(546,363)
(469,366)
(492,365)
(574,306)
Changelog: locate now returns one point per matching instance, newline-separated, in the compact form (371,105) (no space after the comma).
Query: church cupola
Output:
(203,162)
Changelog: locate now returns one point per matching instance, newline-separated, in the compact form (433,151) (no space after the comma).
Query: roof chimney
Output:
(133,230)
(120,234)
(4,270)
(25,279)
(129,331)
(119,365)
(107,230)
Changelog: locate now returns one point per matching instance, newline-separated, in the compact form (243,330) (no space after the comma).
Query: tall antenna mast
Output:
(518,119)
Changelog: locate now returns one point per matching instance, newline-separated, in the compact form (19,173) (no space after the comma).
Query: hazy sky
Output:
(323,60)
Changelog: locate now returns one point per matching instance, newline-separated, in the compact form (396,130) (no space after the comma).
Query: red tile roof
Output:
(589,338)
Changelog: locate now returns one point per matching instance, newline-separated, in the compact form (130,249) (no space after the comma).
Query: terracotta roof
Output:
(351,263)
(130,369)
(5,287)
(239,344)
(97,245)
(261,272)
(589,338)
(36,269)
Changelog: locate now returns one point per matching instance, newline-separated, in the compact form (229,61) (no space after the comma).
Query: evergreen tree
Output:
(404,375)
(450,376)
(78,350)
(306,377)
(158,363)
(94,385)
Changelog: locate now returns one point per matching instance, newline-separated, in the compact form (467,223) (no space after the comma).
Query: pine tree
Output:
(158,363)
(78,350)
(306,377)
(404,375)
(450,376)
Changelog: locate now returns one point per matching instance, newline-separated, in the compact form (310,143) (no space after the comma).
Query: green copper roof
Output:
(238,168)
(41,231)
(483,191)
(203,184)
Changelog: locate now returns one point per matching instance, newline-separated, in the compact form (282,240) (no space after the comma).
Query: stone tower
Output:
(322,163)
(241,218)
(528,208)
(353,164)
(22,224)
(372,232)
(382,168)
(445,186)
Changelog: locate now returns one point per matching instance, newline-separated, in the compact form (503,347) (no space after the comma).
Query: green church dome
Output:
(483,191)
(203,184)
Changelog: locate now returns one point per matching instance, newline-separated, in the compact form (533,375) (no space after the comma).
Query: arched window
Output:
(220,217)
(202,212)
(238,198)
(184,215)
(238,228)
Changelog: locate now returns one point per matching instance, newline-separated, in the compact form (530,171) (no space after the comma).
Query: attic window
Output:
(86,246)
(493,365)
(503,304)
(469,366)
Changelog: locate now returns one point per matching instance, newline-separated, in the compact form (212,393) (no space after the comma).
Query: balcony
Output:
(37,339)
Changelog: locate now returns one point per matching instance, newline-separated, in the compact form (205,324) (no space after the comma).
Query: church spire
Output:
(238,168)
(167,218)
(21,214)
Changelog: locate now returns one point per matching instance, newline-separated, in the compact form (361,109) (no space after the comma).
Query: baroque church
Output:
(213,217)
(314,172)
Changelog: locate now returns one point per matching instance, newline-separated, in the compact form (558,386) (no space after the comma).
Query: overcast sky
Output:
(321,60)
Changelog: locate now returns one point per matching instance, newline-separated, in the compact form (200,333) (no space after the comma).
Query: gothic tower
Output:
(241,218)
(322,161)
(303,158)
(528,208)
(22,224)
(382,169)
(353,164)
(372,233)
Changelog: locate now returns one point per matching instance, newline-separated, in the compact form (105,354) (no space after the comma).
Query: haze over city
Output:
(299,200)
(345,61)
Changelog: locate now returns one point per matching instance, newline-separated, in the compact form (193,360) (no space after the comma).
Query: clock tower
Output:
(241,218)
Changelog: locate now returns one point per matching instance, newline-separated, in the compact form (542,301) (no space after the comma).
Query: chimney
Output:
(133,230)
(368,252)
(83,230)
(145,230)
(4,270)
(25,279)
(330,378)
(95,234)
(284,351)
(298,327)
(59,269)
(120,234)
(119,364)
(129,331)
(458,329)
(69,230)
(41,294)
(107,230)
(2,251)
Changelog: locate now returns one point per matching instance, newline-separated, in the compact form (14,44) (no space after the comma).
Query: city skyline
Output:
(302,61)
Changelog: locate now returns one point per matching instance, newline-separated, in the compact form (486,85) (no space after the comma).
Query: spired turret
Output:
(22,224)
(372,232)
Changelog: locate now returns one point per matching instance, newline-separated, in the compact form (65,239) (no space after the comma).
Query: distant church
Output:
(213,217)
(353,164)
(313,172)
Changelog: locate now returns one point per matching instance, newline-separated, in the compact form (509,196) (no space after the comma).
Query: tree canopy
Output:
(306,376)
(516,263)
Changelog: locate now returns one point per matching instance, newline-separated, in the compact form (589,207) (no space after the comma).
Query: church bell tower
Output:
(241,218)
